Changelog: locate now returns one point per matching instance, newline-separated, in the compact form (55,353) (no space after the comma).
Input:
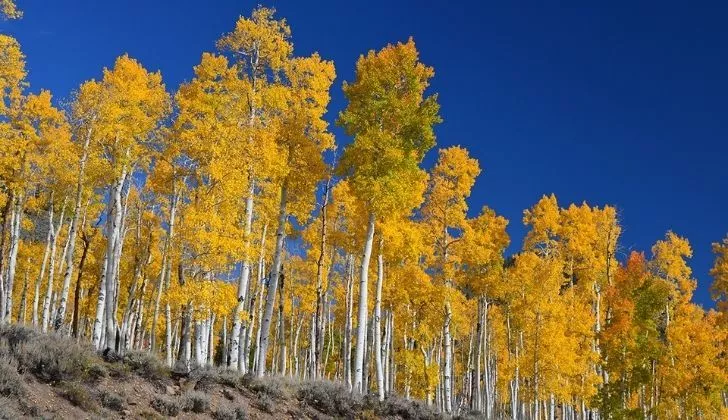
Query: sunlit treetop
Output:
(387,100)
(670,263)
(9,10)
(719,272)
(131,104)
(544,219)
(12,71)
(392,122)
(259,42)
(450,184)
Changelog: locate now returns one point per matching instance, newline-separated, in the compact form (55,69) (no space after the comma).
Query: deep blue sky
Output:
(622,104)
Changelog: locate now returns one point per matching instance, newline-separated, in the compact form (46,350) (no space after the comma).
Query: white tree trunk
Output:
(97,335)
(243,281)
(114,215)
(272,283)
(41,275)
(378,323)
(361,336)
(60,315)
(13,258)
(348,326)
(51,272)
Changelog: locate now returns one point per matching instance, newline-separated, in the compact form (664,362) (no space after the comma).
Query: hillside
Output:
(49,376)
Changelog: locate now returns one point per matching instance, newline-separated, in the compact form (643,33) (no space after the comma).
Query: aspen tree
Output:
(302,140)
(260,46)
(392,122)
(444,211)
(133,102)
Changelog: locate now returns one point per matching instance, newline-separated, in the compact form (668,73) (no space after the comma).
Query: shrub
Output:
(112,401)
(331,398)
(166,406)
(49,357)
(265,402)
(241,413)
(394,406)
(146,365)
(15,334)
(77,396)
(97,372)
(470,415)
(230,378)
(272,386)
(11,384)
(228,394)
(205,379)
(8,411)
(196,402)
(225,413)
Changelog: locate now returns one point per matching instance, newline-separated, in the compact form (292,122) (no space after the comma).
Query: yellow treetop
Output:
(12,72)
(670,263)
(9,9)
(392,122)
(719,272)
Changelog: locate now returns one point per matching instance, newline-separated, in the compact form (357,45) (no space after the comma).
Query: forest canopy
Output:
(140,218)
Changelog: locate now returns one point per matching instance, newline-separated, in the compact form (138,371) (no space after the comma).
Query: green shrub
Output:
(226,413)
(277,387)
(265,402)
(146,365)
(53,359)
(330,398)
(11,384)
(77,396)
(97,372)
(394,406)
(112,401)
(166,406)
(196,402)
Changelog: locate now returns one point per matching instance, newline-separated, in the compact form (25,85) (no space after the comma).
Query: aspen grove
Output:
(220,225)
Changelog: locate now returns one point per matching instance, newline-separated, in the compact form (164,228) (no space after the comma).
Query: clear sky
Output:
(623,103)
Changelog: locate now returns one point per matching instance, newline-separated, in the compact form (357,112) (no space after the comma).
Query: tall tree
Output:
(133,102)
(261,48)
(445,211)
(302,140)
(391,120)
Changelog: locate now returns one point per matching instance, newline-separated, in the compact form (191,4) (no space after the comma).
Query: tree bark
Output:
(61,313)
(243,281)
(378,323)
(51,271)
(318,325)
(272,283)
(114,215)
(361,338)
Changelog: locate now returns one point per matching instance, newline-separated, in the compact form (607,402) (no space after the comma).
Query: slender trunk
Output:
(61,313)
(281,328)
(163,283)
(77,293)
(318,326)
(6,228)
(272,283)
(24,296)
(98,331)
(41,275)
(114,215)
(361,337)
(378,322)
(243,281)
(51,272)
(13,257)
